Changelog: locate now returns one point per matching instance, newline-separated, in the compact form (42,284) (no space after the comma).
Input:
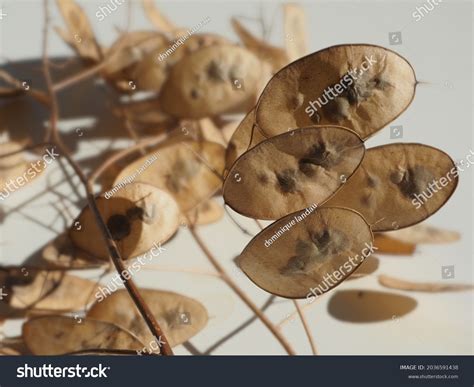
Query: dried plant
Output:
(304,168)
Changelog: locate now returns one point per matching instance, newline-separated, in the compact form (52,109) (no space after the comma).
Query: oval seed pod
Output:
(138,216)
(211,81)
(393,187)
(292,171)
(56,335)
(292,257)
(358,86)
(189,170)
(246,136)
(180,317)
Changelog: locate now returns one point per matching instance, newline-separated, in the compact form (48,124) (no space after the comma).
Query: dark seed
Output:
(119,226)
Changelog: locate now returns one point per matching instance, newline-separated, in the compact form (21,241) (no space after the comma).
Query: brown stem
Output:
(306,327)
(111,245)
(272,328)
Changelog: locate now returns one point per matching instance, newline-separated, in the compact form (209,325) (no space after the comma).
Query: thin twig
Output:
(306,327)
(264,319)
(110,242)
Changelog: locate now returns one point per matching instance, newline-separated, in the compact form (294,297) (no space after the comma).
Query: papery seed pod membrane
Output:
(50,290)
(358,86)
(245,137)
(180,317)
(431,287)
(399,185)
(292,171)
(212,81)
(57,335)
(188,170)
(138,216)
(296,253)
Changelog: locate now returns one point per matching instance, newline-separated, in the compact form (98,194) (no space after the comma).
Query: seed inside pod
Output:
(399,185)
(292,171)
(57,335)
(295,256)
(179,316)
(138,216)
(211,81)
(188,170)
(361,87)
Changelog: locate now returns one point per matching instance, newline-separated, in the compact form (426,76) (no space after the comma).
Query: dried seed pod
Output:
(61,253)
(276,56)
(16,165)
(305,247)
(52,290)
(207,212)
(180,317)
(363,306)
(211,81)
(388,245)
(395,283)
(422,233)
(138,216)
(130,49)
(81,36)
(159,20)
(245,137)
(362,87)
(57,335)
(292,171)
(296,37)
(367,267)
(393,187)
(189,170)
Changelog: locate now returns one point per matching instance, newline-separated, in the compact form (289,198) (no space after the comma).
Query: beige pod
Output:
(319,89)
(180,317)
(139,217)
(293,256)
(292,171)
(391,188)
(211,81)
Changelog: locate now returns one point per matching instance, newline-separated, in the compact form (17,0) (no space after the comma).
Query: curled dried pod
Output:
(293,256)
(276,56)
(211,81)
(57,335)
(180,317)
(291,171)
(399,185)
(138,216)
(189,170)
(422,233)
(359,86)
(246,136)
